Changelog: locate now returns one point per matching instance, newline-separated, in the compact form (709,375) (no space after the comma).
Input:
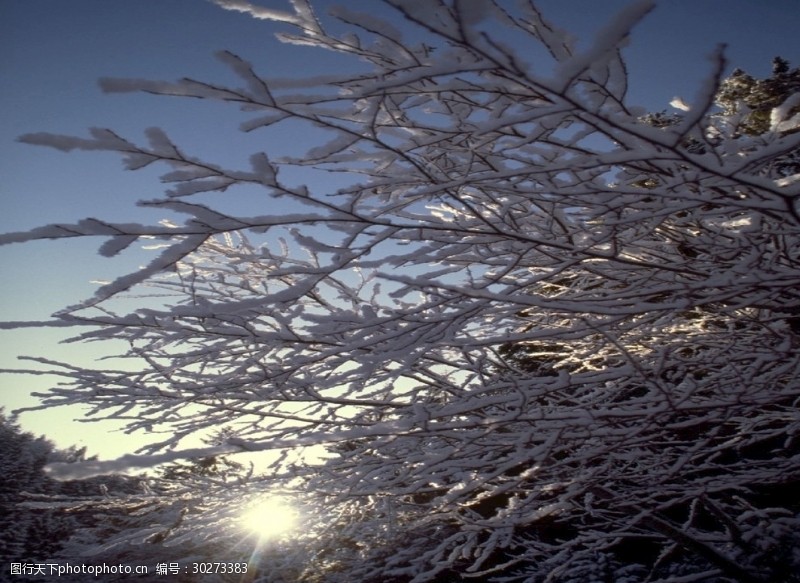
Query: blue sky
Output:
(53,51)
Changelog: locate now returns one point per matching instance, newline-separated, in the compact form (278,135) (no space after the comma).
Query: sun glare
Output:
(270,517)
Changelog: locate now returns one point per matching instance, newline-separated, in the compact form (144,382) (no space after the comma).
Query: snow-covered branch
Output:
(536,329)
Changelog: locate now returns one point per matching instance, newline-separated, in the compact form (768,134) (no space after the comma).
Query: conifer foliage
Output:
(22,458)
(538,335)
(39,516)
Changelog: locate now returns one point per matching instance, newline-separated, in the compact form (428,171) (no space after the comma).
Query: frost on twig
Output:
(539,336)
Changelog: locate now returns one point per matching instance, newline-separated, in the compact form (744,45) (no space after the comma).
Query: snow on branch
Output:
(257,11)
(128,463)
(610,39)
(538,334)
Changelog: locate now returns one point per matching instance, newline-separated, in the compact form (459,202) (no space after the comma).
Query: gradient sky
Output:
(53,51)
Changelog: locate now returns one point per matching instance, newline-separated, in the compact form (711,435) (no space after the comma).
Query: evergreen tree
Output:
(26,534)
(751,102)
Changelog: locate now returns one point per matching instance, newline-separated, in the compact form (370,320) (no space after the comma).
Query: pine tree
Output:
(26,534)
(753,101)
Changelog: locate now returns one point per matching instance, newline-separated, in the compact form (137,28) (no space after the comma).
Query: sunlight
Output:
(270,517)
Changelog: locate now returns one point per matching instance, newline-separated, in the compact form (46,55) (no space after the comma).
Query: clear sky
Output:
(52,52)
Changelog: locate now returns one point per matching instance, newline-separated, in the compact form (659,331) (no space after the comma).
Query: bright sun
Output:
(270,517)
